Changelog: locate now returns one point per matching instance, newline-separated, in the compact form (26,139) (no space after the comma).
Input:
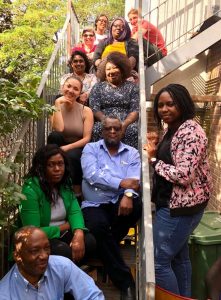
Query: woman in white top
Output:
(79,66)
(101,26)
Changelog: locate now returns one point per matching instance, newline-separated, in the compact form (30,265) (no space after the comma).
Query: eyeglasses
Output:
(88,35)
(52,165)
(115,128)
(121,27)
(102,21)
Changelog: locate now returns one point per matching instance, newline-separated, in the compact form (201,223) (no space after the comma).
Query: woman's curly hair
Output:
(85,58)
(118,59)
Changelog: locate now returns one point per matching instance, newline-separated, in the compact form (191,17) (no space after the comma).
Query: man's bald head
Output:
(22,236)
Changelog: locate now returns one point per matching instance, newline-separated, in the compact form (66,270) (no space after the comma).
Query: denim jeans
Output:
(171,252)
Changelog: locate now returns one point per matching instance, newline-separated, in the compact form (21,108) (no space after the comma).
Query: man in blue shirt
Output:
(36,275)
(111,178)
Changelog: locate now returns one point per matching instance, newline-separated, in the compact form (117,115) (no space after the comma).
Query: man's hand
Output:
(77,245)
(125,206)
(130,183)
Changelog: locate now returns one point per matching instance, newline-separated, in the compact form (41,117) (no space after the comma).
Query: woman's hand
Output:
(151,146)
(77,245)
(63,100)
(65,226)
(66,148)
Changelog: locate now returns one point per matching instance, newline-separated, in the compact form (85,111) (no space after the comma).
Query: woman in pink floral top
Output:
(181,186)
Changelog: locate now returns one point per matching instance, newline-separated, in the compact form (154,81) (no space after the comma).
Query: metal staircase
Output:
(183,54)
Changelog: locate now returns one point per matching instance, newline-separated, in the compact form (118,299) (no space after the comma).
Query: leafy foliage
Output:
(19,105)
(88,10)
(26,46)
(10,193)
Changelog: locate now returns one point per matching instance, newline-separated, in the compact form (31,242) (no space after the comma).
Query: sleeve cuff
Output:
(153,164)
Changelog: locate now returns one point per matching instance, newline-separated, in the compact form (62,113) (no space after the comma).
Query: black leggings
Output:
(61,246)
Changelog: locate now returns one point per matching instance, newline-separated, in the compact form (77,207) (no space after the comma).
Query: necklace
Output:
(80,76)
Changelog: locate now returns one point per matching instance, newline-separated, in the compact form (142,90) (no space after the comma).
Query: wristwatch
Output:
(153,160)
(128,194)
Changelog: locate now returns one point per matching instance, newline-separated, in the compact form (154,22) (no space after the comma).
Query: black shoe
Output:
(128,294)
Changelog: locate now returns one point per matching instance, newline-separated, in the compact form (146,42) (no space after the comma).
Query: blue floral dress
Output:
(119,101)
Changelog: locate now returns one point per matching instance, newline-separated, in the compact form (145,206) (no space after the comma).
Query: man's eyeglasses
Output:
(115,128)
(88,35)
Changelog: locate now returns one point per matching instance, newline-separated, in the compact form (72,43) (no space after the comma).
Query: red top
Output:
(153,34)
(81,47)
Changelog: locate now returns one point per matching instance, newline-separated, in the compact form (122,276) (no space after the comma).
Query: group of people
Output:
(83,188)
(120,36)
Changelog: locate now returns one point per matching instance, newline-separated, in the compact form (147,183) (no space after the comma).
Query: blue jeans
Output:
(171,252)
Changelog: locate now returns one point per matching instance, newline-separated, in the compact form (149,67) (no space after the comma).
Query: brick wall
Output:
(214,87)
(215,158)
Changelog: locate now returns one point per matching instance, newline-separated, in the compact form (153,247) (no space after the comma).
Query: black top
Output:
(162,188)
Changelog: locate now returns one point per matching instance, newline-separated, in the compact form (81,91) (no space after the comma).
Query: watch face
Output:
(129,194)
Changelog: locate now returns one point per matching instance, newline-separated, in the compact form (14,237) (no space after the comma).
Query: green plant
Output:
(10,193)
(17,104)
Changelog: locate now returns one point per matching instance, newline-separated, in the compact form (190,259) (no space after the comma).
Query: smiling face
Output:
(31,255)
(102,24)
(78,64)
(168,110)
(88,38)
(113,74)
(117,29)
(133,18)
(72,88)
(55,169)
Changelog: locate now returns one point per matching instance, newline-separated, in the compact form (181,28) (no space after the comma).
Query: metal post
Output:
(69,29)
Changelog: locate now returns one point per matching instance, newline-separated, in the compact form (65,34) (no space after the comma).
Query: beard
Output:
(112,142)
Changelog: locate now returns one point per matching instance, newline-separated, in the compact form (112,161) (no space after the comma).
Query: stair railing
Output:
(178,20)
(145,264)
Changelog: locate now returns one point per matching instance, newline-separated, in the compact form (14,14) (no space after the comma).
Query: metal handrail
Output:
(146,273)
(53,57)
(175,36)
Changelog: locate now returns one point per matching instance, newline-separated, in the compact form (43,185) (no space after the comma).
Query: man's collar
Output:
(17,274)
